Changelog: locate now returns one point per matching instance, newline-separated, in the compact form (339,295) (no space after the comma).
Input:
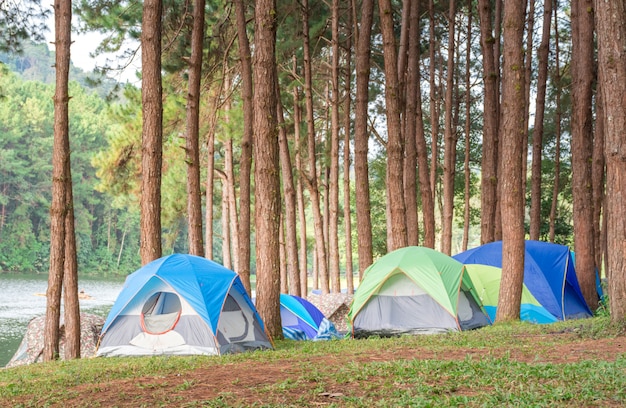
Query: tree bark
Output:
(289,192)
(542,56)
(512,138)
(245,164)
(266,170)
(333,184)
(449,159)
(582,146)
(489,165)
(347,214)
(410,125)
(311,180)
(557,130)
(434,101)
(302,251)
(395,147)
(71,306)
(611,26)
(468,128)
(60,166)
(361,167)
(152,131)
(192,148)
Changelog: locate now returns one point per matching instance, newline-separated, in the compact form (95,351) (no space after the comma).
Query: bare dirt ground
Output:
(243,383)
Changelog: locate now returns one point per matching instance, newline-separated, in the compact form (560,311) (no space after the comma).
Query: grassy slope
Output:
(504,365)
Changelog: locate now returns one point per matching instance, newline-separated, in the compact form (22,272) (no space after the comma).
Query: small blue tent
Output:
(301,320)
(182,304)
(549,275)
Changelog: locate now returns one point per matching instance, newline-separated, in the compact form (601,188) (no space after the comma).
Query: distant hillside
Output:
(36,63)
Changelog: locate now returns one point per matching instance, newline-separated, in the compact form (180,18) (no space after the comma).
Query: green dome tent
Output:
(415,290)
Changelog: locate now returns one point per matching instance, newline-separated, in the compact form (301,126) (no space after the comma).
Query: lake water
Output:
(22,297)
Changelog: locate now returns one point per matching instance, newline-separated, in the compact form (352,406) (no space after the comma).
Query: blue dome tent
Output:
(549,275)
(182,304)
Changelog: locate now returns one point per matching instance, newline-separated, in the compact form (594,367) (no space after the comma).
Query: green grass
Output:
(485,373)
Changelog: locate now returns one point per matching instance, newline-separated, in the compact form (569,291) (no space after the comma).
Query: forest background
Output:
(433,163)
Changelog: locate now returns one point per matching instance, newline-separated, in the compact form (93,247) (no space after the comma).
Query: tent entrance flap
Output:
(160,313)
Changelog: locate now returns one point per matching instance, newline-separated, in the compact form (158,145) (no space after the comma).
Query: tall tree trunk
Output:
(60,167)
(424,185)
(512,138)
(333,182)
(361,171)
(489,166)
(71,306)
(557,130)
(410,126)
(528,66)
(229,186)
(226,250)
(611,20)
(266,169)
(434,101)
(192,150)
(497,234)
(311,180)
(468,128)
(347,215)
(395,147)
(297,118)
(598,171)
(449,156)
(210,187)
(152,132)
(542,56)
(289,192)
(582,146)
(245,165)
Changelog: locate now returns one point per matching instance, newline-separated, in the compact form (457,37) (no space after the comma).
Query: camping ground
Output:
(574,363)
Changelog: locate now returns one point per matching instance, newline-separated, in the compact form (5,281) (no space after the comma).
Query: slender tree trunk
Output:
(557,130)
(284,280)
(245,165)
(210,180)
(434,101)
(152,132)
(60,166)
(449,159)
(542,56)
(192,150)
(71,306)
(289,192)
(598,180)
(489,173)
(226,250)
(512,138)
(303,261)
(528,66)
(611,20)
(361,171)
(311,180)
(266,169)
(497,234)
(582,146)
(333,184)
(468,128)
(229,186)
(347,215)
(410,126)
(397,236)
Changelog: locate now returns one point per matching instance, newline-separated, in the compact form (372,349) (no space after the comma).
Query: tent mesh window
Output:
(160,313)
